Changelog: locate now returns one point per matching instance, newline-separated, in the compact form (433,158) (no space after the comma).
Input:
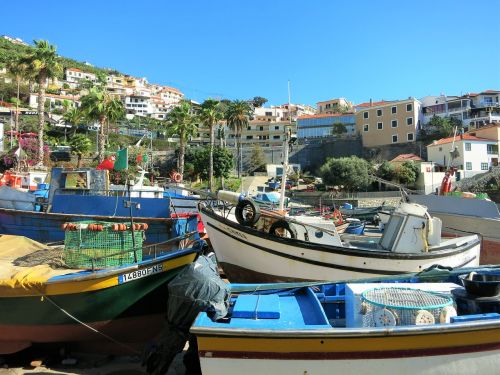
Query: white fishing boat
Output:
(467,215)
(249,252)
(352,328)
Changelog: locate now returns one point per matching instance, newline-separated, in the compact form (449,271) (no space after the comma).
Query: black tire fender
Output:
(283,225)
(243,206)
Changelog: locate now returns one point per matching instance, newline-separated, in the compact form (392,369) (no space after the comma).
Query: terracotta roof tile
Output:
(405,157)
(465,137)
(374,104)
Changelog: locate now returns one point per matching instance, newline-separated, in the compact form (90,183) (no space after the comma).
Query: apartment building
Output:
(332,106)
(468,153)
(473,109)
(325,125)
(56,101)
(388,122)
(74,76)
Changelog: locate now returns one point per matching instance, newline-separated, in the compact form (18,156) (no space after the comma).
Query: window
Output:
(261,128)
(327,106)
(394,138)
(409,121)
(467,146)
(379,112)
(484,166)
(365,128)
(409,107)
(365,114)
(249,128)
(394,109)
(276,128)
(410,137)
(276,137)
(249,136)
(492,149)
(468,166)
(380,125)
(269,113)
(394,123)
(440,149)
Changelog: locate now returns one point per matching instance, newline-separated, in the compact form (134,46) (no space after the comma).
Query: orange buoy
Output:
(64,226)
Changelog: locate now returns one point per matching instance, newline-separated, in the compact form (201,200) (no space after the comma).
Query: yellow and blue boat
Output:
(124,304)
(342,328)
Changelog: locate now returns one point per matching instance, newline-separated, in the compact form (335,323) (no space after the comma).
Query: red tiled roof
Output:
(325,115)
(465,137)
(74,69)
(405,157)
(374,104)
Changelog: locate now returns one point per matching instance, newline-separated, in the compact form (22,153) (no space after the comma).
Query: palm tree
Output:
(99,105)
(44,64)
(74,117)
(211,113)
(182,122)
(80,145)
(17,69)
(237,115)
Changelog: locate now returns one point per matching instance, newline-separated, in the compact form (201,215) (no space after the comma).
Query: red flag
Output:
(138,159)
(107,163)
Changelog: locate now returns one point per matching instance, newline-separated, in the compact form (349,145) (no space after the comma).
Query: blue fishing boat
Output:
(410,325)
(85,194)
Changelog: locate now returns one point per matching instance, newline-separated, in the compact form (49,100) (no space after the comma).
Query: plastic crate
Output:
(88,248)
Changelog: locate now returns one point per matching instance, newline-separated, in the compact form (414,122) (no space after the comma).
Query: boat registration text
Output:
(140,273)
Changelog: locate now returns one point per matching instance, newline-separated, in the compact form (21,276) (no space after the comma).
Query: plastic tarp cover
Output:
(197,288)
(22,281)
(16,199)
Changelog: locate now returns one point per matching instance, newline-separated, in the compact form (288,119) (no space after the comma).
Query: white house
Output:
(469,154)
(73,76)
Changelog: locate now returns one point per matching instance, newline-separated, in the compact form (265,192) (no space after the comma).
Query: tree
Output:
(444,126)
(257,159)
(237,115)
(259,101)
(386,171)
(18,69)
(74,117)
(99,105)
(44,64)
(210,115)
(407,173)
(352,172)
(339,129)
(80,145)
(182,122)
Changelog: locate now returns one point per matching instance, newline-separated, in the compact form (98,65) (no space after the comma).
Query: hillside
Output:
(9,50)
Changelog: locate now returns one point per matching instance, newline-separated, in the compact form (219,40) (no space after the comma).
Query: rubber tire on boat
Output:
(283,225)
(244,205)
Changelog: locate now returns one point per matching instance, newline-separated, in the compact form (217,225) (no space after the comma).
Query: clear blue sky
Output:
(239,49)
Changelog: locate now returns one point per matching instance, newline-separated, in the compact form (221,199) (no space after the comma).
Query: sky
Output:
(235,49)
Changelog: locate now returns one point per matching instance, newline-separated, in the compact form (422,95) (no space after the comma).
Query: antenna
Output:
(285,153)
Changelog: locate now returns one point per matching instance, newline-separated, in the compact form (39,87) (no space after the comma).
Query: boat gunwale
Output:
(333,332)
(92,275)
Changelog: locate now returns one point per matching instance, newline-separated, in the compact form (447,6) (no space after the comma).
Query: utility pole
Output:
(288,130)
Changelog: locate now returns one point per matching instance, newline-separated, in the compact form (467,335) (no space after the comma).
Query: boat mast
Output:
(288,129)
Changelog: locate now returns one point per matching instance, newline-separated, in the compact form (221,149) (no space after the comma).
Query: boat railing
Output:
(152,248)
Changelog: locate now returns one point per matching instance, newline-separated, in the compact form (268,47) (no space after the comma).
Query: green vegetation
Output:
(351,172)
(183,123)
(211,113)
(405,173)
(257,160)
(42,64)
(80,146)
(99,105)
(10,51)
(238,114)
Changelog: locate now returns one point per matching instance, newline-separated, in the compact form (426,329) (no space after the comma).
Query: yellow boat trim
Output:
(349,344)
(38,286)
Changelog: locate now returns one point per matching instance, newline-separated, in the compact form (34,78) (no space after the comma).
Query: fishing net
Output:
(98,244)
(397,306)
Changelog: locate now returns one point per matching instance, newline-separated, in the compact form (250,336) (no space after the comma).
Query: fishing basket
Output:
(99,244)
(399,306)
